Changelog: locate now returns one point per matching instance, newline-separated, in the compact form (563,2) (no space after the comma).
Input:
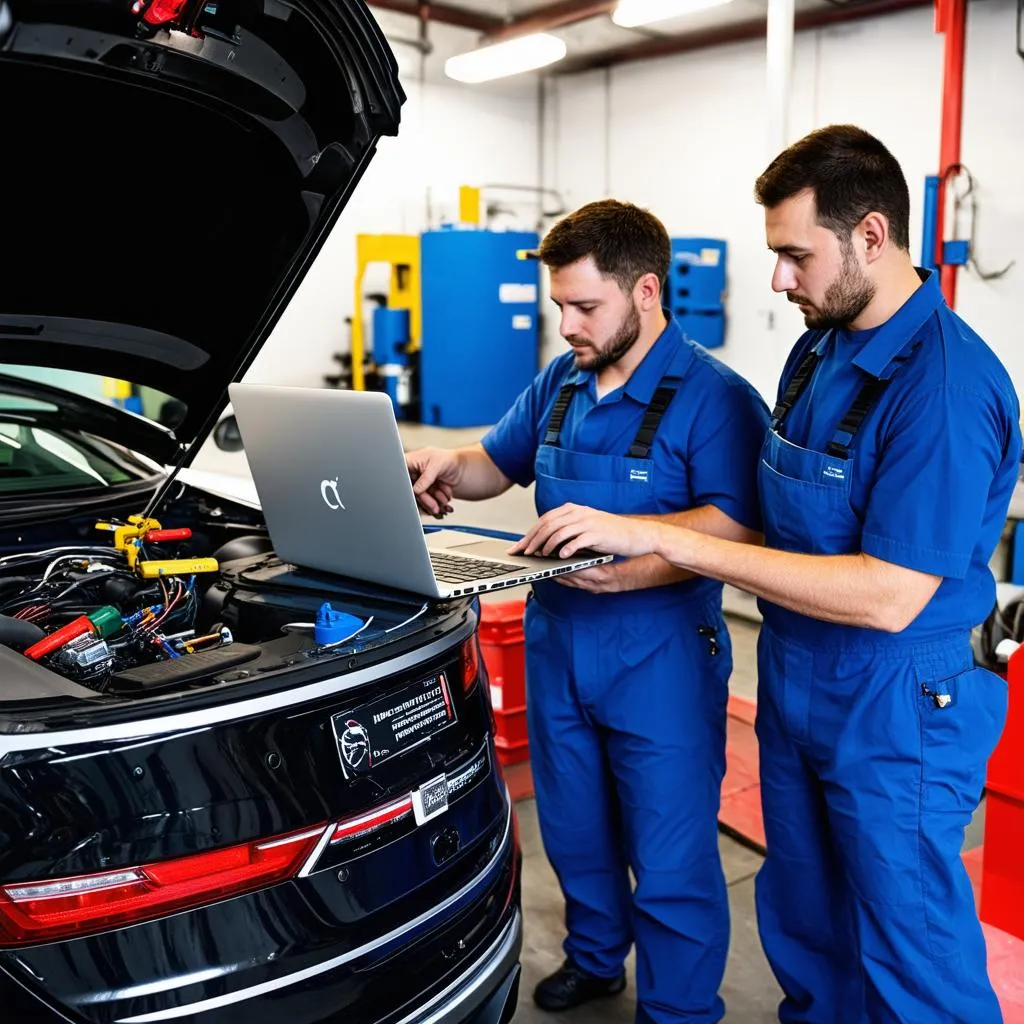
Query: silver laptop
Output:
(331,476)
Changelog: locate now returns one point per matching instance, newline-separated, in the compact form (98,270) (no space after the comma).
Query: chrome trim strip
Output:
(317,850)
(231,710)
(485,967)
(229,998)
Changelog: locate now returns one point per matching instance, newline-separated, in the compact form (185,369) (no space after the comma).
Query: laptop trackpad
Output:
(483,549)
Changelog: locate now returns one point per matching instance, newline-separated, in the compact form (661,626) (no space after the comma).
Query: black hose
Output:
(18,634)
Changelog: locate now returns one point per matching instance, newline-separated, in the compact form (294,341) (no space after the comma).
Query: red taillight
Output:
(352,827)
(61,908)
(470,663)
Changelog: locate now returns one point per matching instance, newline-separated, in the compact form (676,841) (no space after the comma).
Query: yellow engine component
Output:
(126,537)
(137,526)
(177,567)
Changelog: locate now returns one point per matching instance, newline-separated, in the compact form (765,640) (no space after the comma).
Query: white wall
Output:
(450,135)
(687,136)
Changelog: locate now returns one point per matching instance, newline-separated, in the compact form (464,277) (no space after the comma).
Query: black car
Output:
(231,789)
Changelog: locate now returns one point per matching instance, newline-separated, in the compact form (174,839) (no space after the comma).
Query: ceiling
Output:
(595,41)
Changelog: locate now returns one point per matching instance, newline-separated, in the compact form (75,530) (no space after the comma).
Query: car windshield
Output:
(35,458)
(43,449)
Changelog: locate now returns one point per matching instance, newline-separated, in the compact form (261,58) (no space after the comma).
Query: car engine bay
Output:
(146,614)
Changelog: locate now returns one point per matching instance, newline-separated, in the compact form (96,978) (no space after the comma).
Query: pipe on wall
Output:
(737,32)
(951,21)
(780,29)
(444,14)
(562,13)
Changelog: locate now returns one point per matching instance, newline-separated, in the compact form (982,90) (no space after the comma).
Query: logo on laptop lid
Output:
(329,492)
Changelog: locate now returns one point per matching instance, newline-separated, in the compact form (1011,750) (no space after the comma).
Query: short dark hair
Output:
(625,242)
(851,174)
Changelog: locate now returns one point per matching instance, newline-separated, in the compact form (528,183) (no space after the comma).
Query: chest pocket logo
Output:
(641,475)
(835,472)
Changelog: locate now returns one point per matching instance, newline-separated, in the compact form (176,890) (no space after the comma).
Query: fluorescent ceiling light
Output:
(511,57)
(631,13)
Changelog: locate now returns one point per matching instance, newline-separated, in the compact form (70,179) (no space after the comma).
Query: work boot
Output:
(569,986)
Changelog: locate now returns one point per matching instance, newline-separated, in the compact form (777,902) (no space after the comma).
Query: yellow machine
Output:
(402,253)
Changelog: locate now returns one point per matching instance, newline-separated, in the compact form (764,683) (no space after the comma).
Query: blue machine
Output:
(390,341)
(480,340)
(695,289)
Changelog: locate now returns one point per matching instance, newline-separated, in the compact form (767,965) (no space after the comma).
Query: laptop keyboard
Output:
(460,569)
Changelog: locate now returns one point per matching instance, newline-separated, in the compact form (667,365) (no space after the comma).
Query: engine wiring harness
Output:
(95,610)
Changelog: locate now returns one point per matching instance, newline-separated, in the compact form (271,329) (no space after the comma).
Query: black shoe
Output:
(569,987)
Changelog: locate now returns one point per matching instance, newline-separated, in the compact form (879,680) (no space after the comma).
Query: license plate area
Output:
(373,733)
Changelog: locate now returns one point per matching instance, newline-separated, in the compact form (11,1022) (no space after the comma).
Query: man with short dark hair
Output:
(885,480)
(627,663)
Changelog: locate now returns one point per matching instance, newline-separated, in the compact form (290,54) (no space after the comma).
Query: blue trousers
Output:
(872,763)
(627,718)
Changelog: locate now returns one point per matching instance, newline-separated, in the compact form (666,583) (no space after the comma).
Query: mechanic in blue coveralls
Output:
(627,663)
(885,482)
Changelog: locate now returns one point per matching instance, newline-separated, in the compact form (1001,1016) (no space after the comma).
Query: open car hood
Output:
(170,169)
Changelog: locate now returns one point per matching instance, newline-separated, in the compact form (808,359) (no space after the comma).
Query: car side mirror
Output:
(226,435)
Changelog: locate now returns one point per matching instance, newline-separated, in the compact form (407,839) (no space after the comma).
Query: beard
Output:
(624,338)
(845,298)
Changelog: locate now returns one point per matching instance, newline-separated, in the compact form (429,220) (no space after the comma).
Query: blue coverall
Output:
(903,444)
(627,691)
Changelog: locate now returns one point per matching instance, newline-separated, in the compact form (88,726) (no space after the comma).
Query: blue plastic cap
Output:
(332,625)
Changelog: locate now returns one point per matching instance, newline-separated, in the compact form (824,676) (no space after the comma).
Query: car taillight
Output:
(350,828)
(62,908)
(470,663)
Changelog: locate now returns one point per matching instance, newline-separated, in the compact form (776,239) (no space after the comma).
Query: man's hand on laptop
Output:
(435,474)
(568,529)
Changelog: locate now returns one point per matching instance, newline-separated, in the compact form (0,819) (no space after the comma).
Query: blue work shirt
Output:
(935,462)
(705,450)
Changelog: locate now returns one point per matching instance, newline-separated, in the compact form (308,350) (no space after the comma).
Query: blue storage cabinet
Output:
(480,341)
(695,288)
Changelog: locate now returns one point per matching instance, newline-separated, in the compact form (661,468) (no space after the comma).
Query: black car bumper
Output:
(487,992)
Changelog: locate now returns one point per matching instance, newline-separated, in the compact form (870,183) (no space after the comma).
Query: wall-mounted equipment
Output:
(455,338)
(695,289)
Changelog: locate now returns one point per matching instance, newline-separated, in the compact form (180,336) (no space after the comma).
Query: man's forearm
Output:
(711,520)
(855,590)
(654,571)
(479,476)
